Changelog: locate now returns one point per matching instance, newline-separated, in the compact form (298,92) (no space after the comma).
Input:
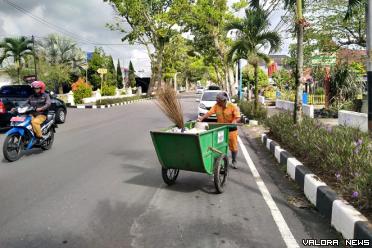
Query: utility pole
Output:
(34,52)
(369,62)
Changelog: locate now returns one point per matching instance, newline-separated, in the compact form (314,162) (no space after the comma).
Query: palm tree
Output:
(253,35)
(300,25)
(62,50)
(16,48)
(354,4)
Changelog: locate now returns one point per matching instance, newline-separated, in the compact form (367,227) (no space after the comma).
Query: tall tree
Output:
(254,34)
(111,78)
(131,75)
(119,75)
(152,24)
(207,24)
(17,49)
(97,61)
(328,23)
(297,6)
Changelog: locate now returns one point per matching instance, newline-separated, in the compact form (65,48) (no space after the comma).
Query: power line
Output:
(61,29)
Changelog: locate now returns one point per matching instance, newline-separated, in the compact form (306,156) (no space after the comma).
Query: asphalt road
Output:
(100,186)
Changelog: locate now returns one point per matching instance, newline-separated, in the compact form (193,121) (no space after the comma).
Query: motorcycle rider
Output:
(41,102)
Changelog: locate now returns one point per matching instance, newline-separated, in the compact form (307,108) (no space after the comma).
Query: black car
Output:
(12,96)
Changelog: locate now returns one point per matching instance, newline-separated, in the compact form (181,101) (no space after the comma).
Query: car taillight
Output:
(2,108)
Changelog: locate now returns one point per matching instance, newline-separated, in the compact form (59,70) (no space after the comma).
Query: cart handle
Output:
(215,150)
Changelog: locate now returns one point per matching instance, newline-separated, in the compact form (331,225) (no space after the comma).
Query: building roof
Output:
(350,56)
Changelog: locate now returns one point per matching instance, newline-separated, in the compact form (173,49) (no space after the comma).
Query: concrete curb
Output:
(108,105)
(339,213)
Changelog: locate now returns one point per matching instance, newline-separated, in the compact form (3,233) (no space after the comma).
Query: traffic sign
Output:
(323,60)
(102,71)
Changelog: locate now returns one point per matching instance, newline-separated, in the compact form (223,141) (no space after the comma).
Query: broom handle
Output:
(230,124)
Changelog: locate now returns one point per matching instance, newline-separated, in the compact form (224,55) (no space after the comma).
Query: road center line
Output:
(284,230)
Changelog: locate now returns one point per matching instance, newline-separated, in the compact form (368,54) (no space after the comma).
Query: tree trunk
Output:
(18,64)
(217,73)
(152,79)
(60,88)
(231,82)
(159,62)
(297,115)
(187,84)
(327,89)
(256,87)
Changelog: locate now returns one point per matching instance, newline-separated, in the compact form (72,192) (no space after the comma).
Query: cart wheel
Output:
(221,166)
(169,175)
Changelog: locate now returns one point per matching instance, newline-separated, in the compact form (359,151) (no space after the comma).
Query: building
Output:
(278,61)
(349,56)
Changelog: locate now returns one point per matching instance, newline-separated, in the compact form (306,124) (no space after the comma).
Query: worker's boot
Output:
(234,163)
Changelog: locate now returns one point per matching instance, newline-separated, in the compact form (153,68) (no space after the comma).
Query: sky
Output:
(83,20)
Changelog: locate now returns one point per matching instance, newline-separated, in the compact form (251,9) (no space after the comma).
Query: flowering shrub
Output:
(342,155)
(81,89)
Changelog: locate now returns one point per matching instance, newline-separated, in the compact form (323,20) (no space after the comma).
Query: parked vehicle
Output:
(199,90)
(214,87)
(13,96)
(208,100)
(21,136)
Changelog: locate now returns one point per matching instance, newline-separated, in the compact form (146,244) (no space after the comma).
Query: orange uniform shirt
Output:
(225,115)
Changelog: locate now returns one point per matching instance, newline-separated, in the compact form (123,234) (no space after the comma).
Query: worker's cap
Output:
(221,96)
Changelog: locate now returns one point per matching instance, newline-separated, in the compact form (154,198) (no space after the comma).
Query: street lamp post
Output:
(369,62)
(34,53)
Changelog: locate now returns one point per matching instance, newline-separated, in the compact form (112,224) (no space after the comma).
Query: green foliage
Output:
(119,76)
(342,151)
(108,90)
(55,76)
(119,100)
(248,109)
(131,75)
(151,24)
(253,35)
(359,69)
(17,49)
(98,61)
(248,77)
(82,90)
(319,91)
(329,27)
(283,78)
(345,85)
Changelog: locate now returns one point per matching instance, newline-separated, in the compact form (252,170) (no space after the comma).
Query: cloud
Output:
(84,21)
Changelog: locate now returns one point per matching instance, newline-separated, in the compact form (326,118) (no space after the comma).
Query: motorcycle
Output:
(21,136)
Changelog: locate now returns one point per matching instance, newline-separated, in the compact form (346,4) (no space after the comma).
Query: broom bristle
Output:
(170,105)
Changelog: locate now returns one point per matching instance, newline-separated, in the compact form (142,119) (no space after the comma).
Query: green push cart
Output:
(204,152)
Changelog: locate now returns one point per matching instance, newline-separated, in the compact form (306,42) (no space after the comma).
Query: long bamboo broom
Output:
(170,105)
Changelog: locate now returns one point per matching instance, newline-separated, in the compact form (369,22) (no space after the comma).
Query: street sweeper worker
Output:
(226,112)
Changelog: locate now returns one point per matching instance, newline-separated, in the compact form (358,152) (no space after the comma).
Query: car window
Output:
(210,96)
(22,92)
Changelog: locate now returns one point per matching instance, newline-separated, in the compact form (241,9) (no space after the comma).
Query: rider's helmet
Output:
(38,85)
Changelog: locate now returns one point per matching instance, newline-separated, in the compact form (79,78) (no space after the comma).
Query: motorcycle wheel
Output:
(48,142)
(13,146)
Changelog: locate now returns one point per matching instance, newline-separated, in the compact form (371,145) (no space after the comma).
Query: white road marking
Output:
(284,230)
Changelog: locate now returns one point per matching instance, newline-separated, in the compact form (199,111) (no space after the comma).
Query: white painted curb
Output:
(344,217)
(311,185)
